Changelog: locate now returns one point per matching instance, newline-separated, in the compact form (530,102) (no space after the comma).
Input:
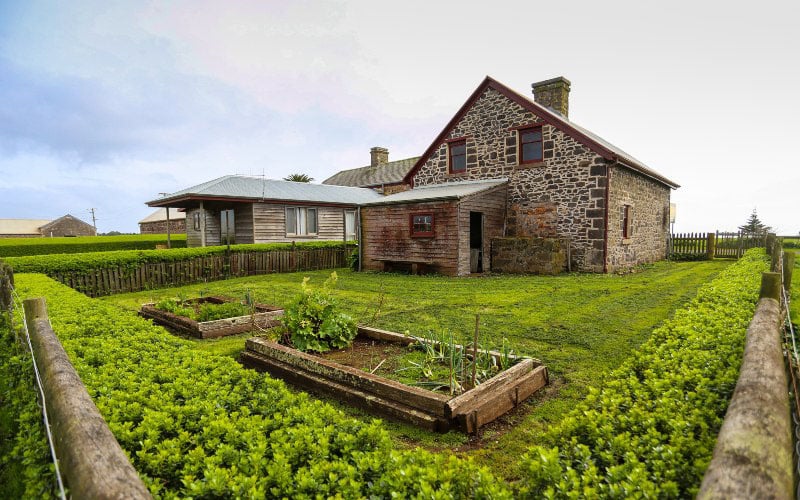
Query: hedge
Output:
(51,264)
(18,247)
(198,425)
(650,430)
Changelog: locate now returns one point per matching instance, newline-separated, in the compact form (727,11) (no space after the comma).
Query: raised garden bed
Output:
(431,410)
(262,316)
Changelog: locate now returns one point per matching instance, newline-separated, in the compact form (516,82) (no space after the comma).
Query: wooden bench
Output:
(413,263)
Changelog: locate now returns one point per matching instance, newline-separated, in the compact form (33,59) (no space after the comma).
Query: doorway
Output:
(476,242)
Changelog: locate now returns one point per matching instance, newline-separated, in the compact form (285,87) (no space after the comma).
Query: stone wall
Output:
(649,202)
(67,226)
(528,255)
(563,196)
(160,227)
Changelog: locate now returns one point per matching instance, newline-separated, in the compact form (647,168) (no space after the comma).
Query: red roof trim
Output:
(546,116)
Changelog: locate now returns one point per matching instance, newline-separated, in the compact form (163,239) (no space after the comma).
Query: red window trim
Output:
(450,146)
(455,139)
(527,125)
(626,222)
(421,234)
(520,131)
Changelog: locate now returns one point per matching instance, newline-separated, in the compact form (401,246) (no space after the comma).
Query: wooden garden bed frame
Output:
(266,316)
(430,410)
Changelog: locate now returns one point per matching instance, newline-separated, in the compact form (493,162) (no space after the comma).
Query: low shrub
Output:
(314,322)
(85,262)
(18,247)
(26,468)
(651,429)
(202,426)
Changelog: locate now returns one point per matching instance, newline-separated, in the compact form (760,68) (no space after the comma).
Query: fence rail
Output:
(717,245)
(124,279)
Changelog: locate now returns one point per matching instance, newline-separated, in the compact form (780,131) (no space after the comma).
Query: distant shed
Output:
(156,222)
(36,228)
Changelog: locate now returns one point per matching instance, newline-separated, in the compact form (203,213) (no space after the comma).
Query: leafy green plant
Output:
(314,322)
(202,426)
(649,431)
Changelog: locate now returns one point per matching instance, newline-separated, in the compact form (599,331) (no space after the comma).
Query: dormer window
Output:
(457,156)
(530,144)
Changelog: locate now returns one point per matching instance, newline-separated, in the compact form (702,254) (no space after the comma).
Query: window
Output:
(196,221)
(457,157)
(301,221)
(421,225)
(350,225)
(627,222)
(530,145)
(227,227)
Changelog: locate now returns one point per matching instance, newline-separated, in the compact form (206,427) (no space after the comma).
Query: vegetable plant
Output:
(314,322)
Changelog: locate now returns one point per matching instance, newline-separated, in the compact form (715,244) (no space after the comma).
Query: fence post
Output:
(770,243)
(788,265)
(775,253)
(93,462)
(770,286)
(711,246)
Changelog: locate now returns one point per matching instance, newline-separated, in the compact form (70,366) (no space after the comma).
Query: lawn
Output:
(581,326)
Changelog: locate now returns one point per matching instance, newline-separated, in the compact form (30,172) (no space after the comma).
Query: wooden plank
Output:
(388,389)
(354,396)
(465,402)
(499,401)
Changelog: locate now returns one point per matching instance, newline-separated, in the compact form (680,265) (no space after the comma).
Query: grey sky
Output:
(106,104)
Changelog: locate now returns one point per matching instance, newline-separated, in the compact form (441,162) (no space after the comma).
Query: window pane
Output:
(531,135)
(532,151)
(291,221)
(301,221)
(311,221)
(349,225)
(459,163)
(458,148)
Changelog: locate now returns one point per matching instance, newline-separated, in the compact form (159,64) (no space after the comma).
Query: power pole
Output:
(169,242)
(94,220)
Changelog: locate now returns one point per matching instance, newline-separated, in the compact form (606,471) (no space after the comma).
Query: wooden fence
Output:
(146,276)
(718,245)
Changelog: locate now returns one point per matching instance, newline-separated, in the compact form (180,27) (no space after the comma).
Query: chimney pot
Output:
(553,94)
(378,156)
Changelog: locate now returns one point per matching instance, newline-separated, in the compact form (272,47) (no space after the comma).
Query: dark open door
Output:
(476,242)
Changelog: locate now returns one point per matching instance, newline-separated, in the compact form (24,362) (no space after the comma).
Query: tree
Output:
(754,226)
(298,178)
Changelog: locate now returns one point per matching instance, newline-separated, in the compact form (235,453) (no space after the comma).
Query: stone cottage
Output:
(606,210)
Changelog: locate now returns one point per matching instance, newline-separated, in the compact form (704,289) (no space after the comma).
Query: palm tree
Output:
(298,178)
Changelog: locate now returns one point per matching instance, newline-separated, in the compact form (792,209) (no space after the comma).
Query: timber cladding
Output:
(388,242)
(386,236)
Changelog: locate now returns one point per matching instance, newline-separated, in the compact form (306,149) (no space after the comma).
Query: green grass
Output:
(581,326)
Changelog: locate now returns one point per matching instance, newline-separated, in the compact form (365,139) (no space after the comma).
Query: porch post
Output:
(202,225)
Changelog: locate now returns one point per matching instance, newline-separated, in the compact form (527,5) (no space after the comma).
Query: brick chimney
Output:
(378,156)
(553,94)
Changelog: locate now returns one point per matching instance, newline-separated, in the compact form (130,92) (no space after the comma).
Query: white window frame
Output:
(350,235)
(300,217)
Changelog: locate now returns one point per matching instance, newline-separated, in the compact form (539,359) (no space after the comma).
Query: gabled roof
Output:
(50,224)
(254,189)
(450,190)
(392,172)
(580,134)
(160,215)
(22,226)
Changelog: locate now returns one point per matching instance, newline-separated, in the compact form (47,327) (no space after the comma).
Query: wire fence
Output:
(17,309)
(793,366)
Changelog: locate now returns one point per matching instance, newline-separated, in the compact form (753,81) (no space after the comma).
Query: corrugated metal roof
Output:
(258,188)
(160,215)
(450,190)
(391,172)
(22,226)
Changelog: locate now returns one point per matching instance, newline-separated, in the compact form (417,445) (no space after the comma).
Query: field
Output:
(581,326)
